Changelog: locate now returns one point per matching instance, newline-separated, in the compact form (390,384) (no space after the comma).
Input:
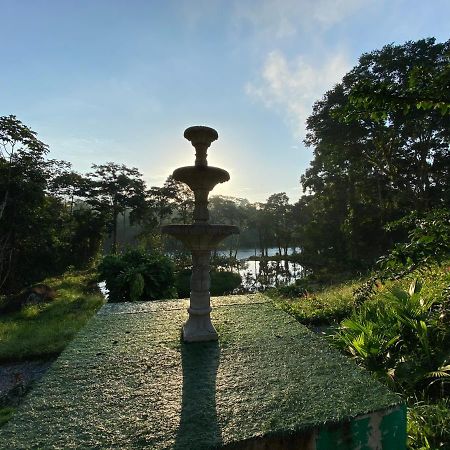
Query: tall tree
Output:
(371,167)
(70,186)
(39,234)
(116,188)
(23,180)
(279,213)
(426,85)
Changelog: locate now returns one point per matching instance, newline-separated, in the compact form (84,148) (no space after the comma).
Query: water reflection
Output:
(259,273)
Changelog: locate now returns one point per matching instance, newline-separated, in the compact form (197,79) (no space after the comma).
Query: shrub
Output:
(222,283)
(429,425)
(401,334)
(312,306)
(137,275)
(429,242)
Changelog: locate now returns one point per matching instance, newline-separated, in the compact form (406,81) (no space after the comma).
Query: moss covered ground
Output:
(127,381)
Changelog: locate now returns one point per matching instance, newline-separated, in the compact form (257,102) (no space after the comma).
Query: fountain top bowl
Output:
(201,135)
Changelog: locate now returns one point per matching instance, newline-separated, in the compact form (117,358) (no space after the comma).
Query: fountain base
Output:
(199,328)
(200,239)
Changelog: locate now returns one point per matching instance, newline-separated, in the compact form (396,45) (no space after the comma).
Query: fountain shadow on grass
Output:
(199,428)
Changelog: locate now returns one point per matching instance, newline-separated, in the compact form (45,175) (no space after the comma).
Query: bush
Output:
(137,275)
(429,242)
(222,283)
(429,425)
(326,306)
(292,290)
(401,333)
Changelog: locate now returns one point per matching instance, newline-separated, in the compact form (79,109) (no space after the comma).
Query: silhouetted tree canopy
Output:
(373,166)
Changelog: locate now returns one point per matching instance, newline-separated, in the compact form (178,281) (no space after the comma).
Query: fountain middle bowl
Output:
(200,236)
(199,177)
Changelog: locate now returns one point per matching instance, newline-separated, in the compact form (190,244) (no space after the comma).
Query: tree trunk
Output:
(114,230)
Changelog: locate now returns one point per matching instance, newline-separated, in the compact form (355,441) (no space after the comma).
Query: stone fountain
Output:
(200,237)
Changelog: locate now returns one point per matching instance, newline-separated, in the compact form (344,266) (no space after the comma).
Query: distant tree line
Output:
(50,216)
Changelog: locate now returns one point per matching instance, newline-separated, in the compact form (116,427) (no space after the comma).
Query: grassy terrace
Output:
(127,381)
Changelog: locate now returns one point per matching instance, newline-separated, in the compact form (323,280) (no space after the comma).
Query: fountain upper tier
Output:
(201,178)
(201,138)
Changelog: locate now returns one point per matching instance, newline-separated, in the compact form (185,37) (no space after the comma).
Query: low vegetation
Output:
(399,332)
(395,323)
(43,330)
(401,335)
(6,414)
(137,275)
(312,305)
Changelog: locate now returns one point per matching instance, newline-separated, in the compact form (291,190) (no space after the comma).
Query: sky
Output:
(113,80)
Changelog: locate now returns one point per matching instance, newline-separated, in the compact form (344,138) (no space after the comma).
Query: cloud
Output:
(281,19)
(291,87)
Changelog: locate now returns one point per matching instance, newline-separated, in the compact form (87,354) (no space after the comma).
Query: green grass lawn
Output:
(41,331)
(266,376)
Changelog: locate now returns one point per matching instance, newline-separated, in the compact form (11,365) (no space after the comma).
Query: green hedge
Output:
(136,275)
(222,283)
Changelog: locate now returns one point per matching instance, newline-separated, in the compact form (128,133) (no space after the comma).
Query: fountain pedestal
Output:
(199,326)
(201,237)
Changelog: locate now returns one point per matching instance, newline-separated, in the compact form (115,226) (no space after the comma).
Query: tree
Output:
(173,200)
(370,168)
(426,85)
(84,225)
(70,186)
(19,147)
(23,180)
(279,213)
(115,189)
(230,211)
(44,225)
(182,199)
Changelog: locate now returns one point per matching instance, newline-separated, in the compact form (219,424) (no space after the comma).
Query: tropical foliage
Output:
(137,275)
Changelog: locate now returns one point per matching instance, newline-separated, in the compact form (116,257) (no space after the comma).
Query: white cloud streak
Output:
(291,88)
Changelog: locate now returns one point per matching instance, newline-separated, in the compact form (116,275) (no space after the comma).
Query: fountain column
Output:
(199,325)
